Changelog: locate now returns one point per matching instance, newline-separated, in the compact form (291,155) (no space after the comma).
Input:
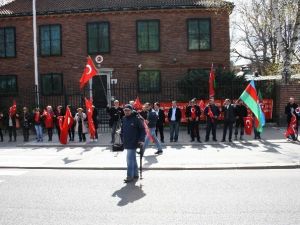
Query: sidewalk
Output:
(271,152)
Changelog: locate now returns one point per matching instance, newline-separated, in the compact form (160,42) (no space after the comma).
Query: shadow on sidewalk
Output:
(129,194)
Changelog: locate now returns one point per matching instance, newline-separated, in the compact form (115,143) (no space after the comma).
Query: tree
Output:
(287,30)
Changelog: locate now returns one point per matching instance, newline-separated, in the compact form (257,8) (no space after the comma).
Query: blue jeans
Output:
(132,168)
(156,141)
(39,132)
(174,129)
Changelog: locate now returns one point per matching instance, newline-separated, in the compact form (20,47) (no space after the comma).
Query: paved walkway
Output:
(273,151)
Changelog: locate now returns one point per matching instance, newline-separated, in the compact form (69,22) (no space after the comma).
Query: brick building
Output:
(145,43)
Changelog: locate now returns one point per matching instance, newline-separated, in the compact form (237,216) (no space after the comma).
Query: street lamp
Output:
(35,58)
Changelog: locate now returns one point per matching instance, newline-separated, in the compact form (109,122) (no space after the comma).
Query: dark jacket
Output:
(161,118)
(144,114)
(13,118)
(241,112)
(152,119)
(215,110)
(188,111)
(177,114)
(25,120)
(132,131)
(229,114)
(289,110)
(115,114)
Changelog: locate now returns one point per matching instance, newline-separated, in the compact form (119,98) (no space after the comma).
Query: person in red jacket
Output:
(48,116)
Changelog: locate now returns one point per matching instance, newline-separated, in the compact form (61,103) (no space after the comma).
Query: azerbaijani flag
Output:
(250,98)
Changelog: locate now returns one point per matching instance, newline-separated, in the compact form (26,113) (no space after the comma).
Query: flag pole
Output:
(36,73)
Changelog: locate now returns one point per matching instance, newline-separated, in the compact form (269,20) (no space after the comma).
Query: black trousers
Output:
(227,125)
(26,133)
(194,126)
(80,134)
(71,133)
(58,131)
(12,131)
(239,124)
(50,133)
(1,135)
(211,126)
(189,127)
(160,128)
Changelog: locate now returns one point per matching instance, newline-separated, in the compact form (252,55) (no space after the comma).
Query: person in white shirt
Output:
(174,117)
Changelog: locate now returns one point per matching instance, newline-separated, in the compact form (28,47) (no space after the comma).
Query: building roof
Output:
(46,7)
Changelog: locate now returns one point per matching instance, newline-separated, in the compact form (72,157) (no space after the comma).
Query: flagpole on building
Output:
(36,73)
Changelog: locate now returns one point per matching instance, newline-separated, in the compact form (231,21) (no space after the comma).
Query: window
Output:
(149,80)
(52,84)
(50,40)
(7,42)
(98,38)
(8,85)
(148,36)
(199,34)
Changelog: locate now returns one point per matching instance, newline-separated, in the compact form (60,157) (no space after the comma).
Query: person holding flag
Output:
(193,113)
(251,99)
(13,116)
(241,112)
(212,113)
(291,110)
(48,116)
(116,113)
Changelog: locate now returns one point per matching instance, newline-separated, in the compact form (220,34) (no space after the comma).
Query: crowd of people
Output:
(48,120)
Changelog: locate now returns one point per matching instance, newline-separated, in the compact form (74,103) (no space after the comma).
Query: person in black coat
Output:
(160,122)
(11,124)
(95,120)
(174,117)
(240,113)
(116,113)
(290,109)
(193,114)
(25,120)
(229,118)
(212,113)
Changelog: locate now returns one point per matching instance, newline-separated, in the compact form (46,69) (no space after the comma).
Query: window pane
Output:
(142,36)
(8,84)
(199,34)
(149,81)
(45,40)
(46,84)
(2,49)
(104,38)
(154,36)
(55,40)
(56,84)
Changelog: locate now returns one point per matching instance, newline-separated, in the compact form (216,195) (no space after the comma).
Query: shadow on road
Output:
(150,159)
(129,194)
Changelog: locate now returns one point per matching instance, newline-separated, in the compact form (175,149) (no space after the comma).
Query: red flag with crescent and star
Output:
(90,110)
(88,73)
(13,109)
(65,127)
(137,104)
(248,124)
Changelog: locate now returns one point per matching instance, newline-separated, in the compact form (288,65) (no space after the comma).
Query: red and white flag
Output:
(137,104)
(90,110)
(88,73)
(65,127)
(13,109)
(211,81)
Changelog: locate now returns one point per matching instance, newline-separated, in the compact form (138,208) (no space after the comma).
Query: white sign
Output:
(113,81)
(99,59)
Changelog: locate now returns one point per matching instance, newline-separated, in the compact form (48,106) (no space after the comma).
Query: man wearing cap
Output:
(133,136)
(116,114)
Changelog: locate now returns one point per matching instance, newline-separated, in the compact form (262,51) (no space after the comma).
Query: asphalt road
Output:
(63,197)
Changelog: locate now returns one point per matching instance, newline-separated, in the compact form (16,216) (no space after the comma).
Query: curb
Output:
(295,166)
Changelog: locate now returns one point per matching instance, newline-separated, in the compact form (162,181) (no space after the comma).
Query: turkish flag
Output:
(248,125)
(65,127)
(147,130)
(137,104)
(211,81)
(13,109)
(291,130)
(90,110)
(88,73)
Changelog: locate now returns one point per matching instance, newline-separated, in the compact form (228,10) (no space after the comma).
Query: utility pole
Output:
(36,72)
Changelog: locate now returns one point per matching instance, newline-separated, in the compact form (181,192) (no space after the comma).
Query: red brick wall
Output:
(283,93)
(123,57)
